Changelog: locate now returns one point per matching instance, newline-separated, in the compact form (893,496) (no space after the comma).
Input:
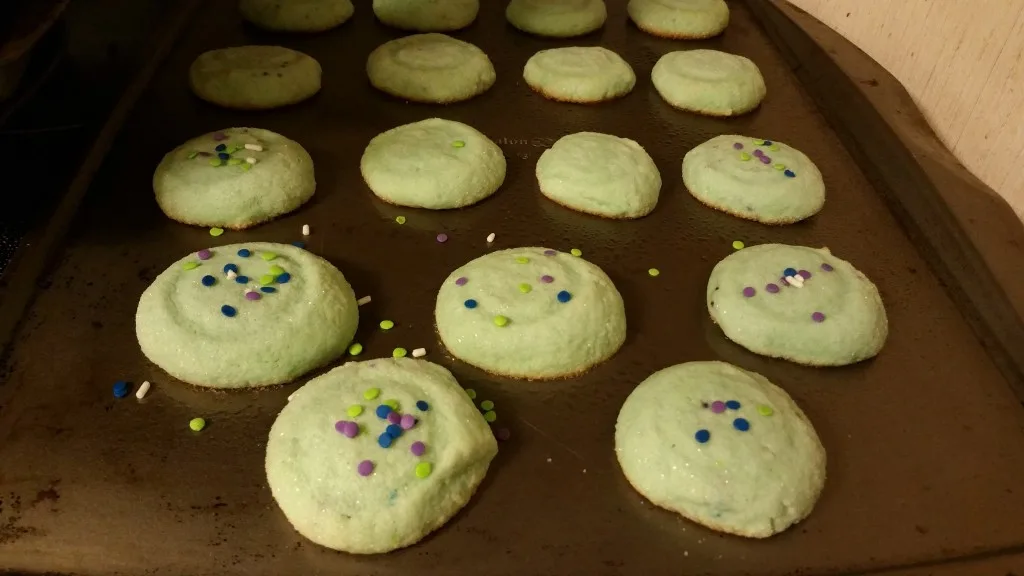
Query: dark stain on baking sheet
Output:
(925,451)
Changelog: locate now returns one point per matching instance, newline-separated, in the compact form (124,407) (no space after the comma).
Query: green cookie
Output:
(709,82)
(680,19)
(254,77)
(431,68)
(579,74)
(426,15)
(557,18)
(296,15)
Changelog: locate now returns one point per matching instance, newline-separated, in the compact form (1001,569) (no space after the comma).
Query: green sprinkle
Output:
(191,265)
(197,424)
(490,416)
(738,245)
(500,320)
(654,272)
(744,156)
(192,155)
(774,147)
(392,403)
(215,162)
(386,324)
(487,405)
(245,167)
(400,219)
(423,469)
(399,353)
(354,410)
(780,167)
(234,148)
(576,252)
(525,288)
(267,279)
(355,350)
(371,393)
(765,410)
(522,259)
(458,144)
(234,161)
(216,232)
(268,256)
(471,393)
(276,271)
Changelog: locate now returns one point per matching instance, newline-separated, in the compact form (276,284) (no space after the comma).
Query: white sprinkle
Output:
(290,396)
(549,459)
(232,274)
(250,160)
(584,470)
(305,229)
(797,280)
(419,352)
(363,300)
(141,392)
(490,237)
(254,147)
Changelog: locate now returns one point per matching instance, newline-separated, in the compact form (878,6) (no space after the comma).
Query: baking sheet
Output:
(925,442)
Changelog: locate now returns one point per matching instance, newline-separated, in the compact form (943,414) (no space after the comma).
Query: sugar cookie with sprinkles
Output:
(296,15)
(254,77)
(557,18)
(753,178)
(246,315)
(797,303)
(375,455)
(234,178)
(532,313)
(435,164)
(722,447)
(709,82)
(430,68)
(680,19)
(426,15)
(581,74)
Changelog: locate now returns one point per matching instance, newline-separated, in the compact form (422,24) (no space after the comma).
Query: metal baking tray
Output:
(925,443)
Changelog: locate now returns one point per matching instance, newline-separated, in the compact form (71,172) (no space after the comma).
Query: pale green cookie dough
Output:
(264,176)
(220,319)
(709,82)
(254,77)
(436,164)
(556,18)
(579,74)
(530,313)
(600,174)
(680,19)
(296,15)
(426,15)
(341,488)
(721,446)
(431,68)
(753,178)
(797,303)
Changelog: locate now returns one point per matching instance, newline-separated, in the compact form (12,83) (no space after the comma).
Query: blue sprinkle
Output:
(209,280)
(789,272)
(741,424)
(231,268)
(244,253)
(702,436)
(121,389)
(790,174)
(422,406)
(767,143)
(382,411)
(384,440)
(268,289)
(242,279)
(284,278)
(470,303)
(299,244)
(394,430)
(732,405)
(223,155)
(564,296)
(228,311)
(220,148)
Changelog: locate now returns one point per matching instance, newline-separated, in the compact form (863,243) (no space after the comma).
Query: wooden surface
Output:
(962,61)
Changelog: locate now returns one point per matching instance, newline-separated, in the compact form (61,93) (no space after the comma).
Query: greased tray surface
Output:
(925,442)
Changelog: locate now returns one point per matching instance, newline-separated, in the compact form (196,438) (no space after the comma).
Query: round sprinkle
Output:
(365,468)
(204,254)
(744,156)
(223,156)
(283,278)
(522,259)
(461,281)
(371,393)
(702,436)
(470,303)
(121,389)
(490,415)
(244,252)
(547,279)
(266,279)
(268,289)
(748,292)
(276,270)
(191,265)
(503,434)
(220,148)
(386,324)
(299,244)
(790,174)
(487,405)
(718,406)
(827,267)
(471,393)
(230,268)
(349,429)
(737,146)
(789,272)
(458,144)
(209,280)
(773,147)
(354,410)
(242,279)
(805,274)
(741,424)
(228,311)
(766,143)
(384,440)
(418,448)
(400,219)
(407,422)
(216,232)
(564,296)
(758,153)
(215,162)
(779,167)
(576,252)
(394,430)
(382,411)
(818,317)
(525,288)
(422,406)
(252,295)
(738,245)
(442,238)
(394,417)
(392,403)
(197,424)
(732,405)
(765,410)
(399,353)
(355,349)
(268,256)
(423,469)
(550,253)
(772,288)
(500,321)
(653,272)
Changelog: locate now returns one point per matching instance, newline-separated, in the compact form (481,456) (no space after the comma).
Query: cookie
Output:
(296,15)
(762,180)
(246,315)
(583,75)
(709,82)
(531,313)
(600,174)
(426,15)
(431,68)
(556,18)
(680,19)
(234,178)
(797,303)
(436,164)
(254,77)
(722,447)
(373,456)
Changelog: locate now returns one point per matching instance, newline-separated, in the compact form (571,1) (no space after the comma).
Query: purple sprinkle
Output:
(418,448)
(805,274)
(550,253)
(718,406)
(783,281)
(218,136)
(407,421)
(207,154)
(826,267)
(818,317)
(252,295)
(461,281)
(365,468)
(772,288)
(442,237)
(738,146)
(347,428)
(748,292)
(547,279)
(503,434)
(765,159)
(757,152)
(394,417)
(204,254)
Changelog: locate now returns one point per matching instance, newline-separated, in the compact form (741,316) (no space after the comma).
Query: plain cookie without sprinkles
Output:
(583,75)
(556,18)
(296,15)
(430,68)
(254,77)
(680,19)
(426,15)
(709,82)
